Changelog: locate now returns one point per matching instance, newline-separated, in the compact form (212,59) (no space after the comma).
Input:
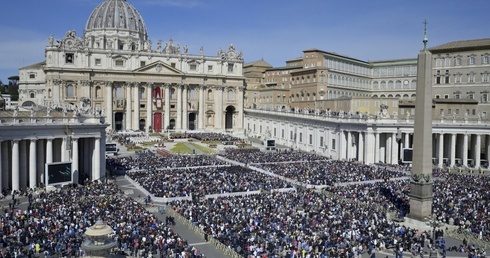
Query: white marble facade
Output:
(138,85)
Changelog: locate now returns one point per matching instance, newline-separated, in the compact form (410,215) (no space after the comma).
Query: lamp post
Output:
(434,223)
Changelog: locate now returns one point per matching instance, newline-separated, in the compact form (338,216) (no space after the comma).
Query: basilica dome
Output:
(116,15)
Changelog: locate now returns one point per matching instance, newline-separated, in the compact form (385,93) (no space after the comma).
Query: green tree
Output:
(13,87)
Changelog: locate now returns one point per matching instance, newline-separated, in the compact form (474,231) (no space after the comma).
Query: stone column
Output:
(96,157)
(185,119)
(368,148)
(406,143)
(128,106)
(218,123)
(63,149)
(465,150)
(15,165)
(49,151)
(108,112)
(361,147)
(136,106)
(394,149)
(74,164)
(349,145)
(167,106)
(149,107)
(377,157)
(487,144)
(202,114)
(389,148)
(441,150)
(477,150)
(452,159)
(178,121)
(239,109)
(32,164)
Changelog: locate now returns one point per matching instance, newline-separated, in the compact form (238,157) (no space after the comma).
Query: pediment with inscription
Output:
(158,67)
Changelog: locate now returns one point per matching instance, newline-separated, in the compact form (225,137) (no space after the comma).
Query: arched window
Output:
(50,93)
(119,92)
(98,92)
(172,93)
(398,84)
(390,84)
(32,95)
(70,91)
(142,93)
(230,95)
(210,94)
(376,85)
(383,85)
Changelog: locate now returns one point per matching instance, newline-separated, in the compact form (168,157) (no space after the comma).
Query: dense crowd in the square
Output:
(149,162)
(54,223)
(220,137)
(204,181)
(302,222)
(464,199)
(255,156)
(330,172)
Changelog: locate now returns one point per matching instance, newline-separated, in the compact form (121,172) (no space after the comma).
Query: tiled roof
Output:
(462,45)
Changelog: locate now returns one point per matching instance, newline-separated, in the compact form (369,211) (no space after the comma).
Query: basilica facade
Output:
(115,70)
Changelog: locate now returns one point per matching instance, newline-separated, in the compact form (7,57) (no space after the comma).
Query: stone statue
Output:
(178,48)
(159,45)
(33,113)
(201,51)
(16,112)
(48,111)
(51,40)
(186,49)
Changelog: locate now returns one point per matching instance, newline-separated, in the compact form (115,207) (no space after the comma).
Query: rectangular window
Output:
(321,141)
(32,76)
(142,63)
(300,137)
(471,96)
(449,111)
(260,129)
(484,97)
(282,134)
(193,67)
(446,96)
(230,68)
(471,60)
(484,115)
(172,106)
(291,135)
(274,132)
(119,62)
(210,68)
(172,65)
(333,144)
(98,61)
(458,61)
(457,96)
(311,139)
(484,59)
(69,58)
(456,111)
(441,111)
(473,111)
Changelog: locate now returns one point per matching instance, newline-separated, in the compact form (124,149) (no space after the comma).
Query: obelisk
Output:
(421,179)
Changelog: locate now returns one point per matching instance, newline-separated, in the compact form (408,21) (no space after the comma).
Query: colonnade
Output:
(22,161)
(449,149)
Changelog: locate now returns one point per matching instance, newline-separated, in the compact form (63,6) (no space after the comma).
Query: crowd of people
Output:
(303,222)
(204,181)
(220,137)
(154,162)
(256,156)
(54,223)
(330,172)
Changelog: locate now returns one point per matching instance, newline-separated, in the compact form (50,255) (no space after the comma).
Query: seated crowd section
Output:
(350,213)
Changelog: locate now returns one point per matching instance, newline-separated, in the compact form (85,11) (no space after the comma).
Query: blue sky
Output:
(275,30)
